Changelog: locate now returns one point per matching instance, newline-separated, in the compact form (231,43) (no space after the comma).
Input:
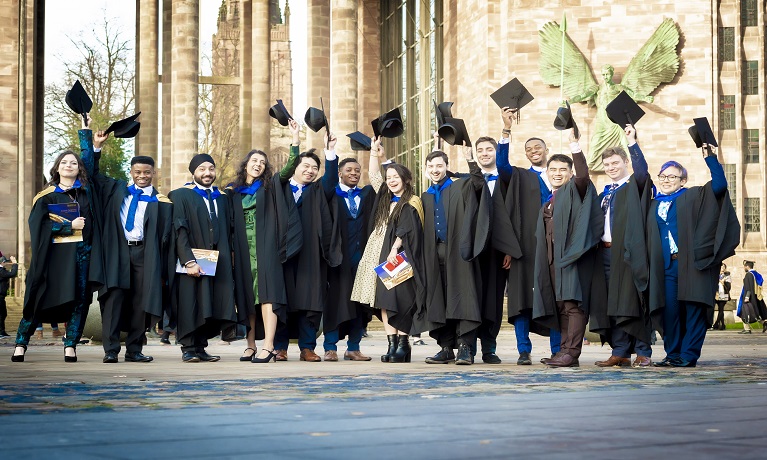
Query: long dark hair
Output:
(82,174)
(241,180)
(382,216)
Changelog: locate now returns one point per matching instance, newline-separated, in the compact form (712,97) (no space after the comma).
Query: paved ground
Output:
(52,409)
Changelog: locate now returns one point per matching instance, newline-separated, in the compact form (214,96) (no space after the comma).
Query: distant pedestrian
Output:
(722,297)
(751,307)
(8,269)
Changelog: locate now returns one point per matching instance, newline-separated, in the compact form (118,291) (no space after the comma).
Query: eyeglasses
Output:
(670,177)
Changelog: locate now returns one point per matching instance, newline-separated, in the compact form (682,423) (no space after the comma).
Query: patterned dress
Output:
(364,290)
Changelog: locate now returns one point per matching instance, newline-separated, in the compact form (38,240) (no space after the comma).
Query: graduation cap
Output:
(388,124)
(125,128)
(315,118)
(513,95)
(565,120)
(701,133)
(359,141)
(443,111)
(280,113)
(77,100)
(453,131)
(623,110)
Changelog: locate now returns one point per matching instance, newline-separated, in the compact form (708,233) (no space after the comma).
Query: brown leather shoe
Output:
(310,356)
(330,355)
(38,334)
(57,333)
(355,356)
(615,361)
(563,360)
(281,355)
(642,361)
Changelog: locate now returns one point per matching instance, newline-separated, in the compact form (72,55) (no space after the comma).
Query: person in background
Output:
(8,269)
(722,297)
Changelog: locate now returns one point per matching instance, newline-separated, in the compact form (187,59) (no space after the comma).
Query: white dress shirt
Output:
(137,234)
(607,236)
(346,189)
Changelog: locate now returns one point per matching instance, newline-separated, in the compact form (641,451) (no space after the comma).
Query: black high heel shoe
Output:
(402,355)
(19,358)
(248,358)
(70,359)
(392,348)
(272,356)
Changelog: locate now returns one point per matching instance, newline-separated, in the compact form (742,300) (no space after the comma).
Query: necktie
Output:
(352,204)
(213,216)
(490,177)
(132,207)
(608,193)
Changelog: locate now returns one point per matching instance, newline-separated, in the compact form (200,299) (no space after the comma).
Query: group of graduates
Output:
(293,253)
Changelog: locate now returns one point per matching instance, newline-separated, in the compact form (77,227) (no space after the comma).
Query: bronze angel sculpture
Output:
(656,62)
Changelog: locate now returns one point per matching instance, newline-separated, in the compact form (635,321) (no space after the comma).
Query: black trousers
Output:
(451,334)
(123,307)
(719,323)
(194,342)
(3,312)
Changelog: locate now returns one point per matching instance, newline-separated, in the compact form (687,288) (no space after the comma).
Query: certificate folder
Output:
(394,274)
(65,213)
(206,258)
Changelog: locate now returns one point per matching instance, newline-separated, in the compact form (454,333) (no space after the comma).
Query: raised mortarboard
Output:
(388,124)
(125,128)
(359,141)
(77,100)
(442,111)
(623,110)
(385,165)
(315,118)
(565,120)
(453,131)
(702,133)
(280,113)
(513,95)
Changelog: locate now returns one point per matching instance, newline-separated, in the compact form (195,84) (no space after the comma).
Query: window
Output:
(751,146)
(730,174)
(727,112)
(751,77)
(751,215)
(748,13)
(411,53)
(726,44)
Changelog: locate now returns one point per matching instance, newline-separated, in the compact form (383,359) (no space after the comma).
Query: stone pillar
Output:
(147,77)
(318,63)
(185,58)
(343,67)
(165,121)
(260,69)
(369,75)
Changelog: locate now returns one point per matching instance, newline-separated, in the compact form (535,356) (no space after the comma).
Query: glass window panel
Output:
(751,215)
(727,112)
(751,146)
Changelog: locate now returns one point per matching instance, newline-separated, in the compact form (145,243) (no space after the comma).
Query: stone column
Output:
(318,63)
(165,121)
(185,42)
(147,77)
(260,69)
(343,67)
(369,75)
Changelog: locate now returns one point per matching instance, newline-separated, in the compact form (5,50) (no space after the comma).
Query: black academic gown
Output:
(578,226)
(467,237)
(627,288)
(339,308)
(276,240)
(203,305)
(157,237)
(708,233)
(306,272)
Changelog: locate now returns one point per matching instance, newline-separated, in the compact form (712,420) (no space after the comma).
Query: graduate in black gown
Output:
(306,272)
(453,274)
(265,233)
(352,206)
(137,230)
(63,275)
(202,304)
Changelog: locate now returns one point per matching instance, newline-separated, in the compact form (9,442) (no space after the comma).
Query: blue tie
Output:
(608,193)
(352,204)
(395,199)
(133,207)
(490,177)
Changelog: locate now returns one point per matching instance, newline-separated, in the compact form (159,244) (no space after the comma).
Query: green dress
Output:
(249,208)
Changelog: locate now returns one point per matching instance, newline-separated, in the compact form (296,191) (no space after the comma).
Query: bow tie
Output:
(395,199)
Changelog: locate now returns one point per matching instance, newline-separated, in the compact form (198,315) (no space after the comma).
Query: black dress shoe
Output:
(681,362)
(524,359)
(463,357)
(137,357)
(204,356)
(490,358)
(667,362)
(444,356)
(110,357)
(190,357)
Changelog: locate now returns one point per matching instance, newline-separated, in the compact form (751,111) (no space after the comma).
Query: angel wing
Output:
(578,78)
(657,62)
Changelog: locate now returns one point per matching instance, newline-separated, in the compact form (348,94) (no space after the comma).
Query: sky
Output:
(65,18)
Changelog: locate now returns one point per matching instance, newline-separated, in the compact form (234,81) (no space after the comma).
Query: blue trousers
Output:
(623,343)
(307,333)
(353,342)
(684,323)
(522,331)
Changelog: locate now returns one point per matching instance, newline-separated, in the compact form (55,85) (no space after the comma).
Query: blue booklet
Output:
(394,274)
(207,259)
(65,213)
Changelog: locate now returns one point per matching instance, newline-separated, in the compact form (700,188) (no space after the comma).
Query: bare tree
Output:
(106,69)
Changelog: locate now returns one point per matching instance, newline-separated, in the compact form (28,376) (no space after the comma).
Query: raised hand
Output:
(572,137)
(330,141)
(631,134)
(507,114)
(99,137)
(295,129)
(467,152)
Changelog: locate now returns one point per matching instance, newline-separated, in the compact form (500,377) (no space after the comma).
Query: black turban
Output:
(199,159)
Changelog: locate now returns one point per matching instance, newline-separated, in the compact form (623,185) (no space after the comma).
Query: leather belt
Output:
(135,243)
(606,244)
(675,256)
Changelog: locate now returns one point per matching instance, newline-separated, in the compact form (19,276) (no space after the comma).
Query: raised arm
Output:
(502,154)
(290,167)
(718,179)
(582,178)
(374,165)
(330,178)
(86,148)
(638,162)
